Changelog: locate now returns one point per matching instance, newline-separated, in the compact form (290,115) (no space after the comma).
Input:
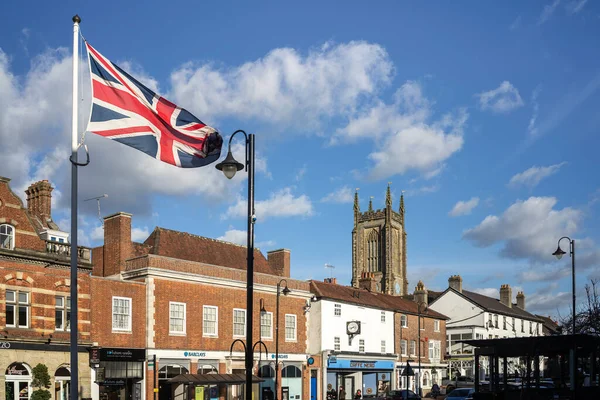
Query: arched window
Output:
(7,237)
(207,369)
(291,371)
(62,380)
(373,251)
(266,371)
(426,379)
(18,381)
(171,371)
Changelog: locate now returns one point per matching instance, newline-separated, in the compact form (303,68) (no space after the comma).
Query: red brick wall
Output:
(13,213)
(280,261)
(196,295)
(411,333)
(103,290)
(43,284)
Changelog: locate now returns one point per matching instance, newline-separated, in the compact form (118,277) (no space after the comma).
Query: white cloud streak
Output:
(280,204)
(464,207)
(548,11)
(340,196)
(503,99)
(533,176)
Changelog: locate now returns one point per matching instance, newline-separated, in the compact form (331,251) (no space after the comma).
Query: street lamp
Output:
(558,254)
(285,292)
(230,166)
(419,304)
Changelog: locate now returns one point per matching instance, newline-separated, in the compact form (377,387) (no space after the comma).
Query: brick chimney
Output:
(521,300)
(455,282)
(420,295)
(330,280)
(279,261)
(368,281)
(506,295)
(39,200)
(117,243)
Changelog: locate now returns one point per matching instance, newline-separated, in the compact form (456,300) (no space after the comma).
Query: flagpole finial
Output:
(77,19)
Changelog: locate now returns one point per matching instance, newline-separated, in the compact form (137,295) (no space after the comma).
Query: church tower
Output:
(379,248)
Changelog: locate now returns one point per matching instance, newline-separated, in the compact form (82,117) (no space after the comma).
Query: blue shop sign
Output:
(359,364)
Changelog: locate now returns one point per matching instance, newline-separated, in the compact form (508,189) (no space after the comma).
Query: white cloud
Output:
(503,99)
(422,190)
(341,195)
(532,128)
(280,204)
(403,136)
(533,176)
(575,6)
(240,237)
(286,87)
(464,207)
(300,173)
(548,11)
(139,234)
(235,236)
(527,229)
(516,23)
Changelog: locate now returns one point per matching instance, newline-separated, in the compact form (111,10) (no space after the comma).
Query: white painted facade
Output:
(470,321)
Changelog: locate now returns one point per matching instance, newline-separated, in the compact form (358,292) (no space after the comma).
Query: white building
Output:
(355,337)
(475,316)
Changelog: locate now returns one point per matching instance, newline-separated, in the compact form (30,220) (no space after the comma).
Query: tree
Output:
(587,316)
(41,380)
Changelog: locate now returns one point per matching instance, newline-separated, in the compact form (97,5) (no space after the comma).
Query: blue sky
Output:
(485,115)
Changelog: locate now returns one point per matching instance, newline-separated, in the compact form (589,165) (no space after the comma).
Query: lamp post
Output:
(558,254)
(285,291)
(230,166)
(419,304)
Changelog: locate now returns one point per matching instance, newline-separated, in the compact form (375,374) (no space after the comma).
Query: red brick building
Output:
(35,295)
(181,299)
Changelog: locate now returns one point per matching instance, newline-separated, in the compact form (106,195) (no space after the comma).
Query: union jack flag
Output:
(126,111)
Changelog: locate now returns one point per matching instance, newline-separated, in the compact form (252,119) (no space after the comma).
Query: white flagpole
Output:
(74,392)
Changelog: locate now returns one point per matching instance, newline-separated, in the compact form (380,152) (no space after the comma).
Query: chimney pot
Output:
(506,295)
(455,282)
(521,300)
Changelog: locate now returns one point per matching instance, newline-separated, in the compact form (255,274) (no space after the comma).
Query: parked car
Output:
(403,394)
(449,385)
(460,394)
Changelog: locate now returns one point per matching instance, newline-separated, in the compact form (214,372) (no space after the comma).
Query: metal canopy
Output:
(534,345)
(213,379)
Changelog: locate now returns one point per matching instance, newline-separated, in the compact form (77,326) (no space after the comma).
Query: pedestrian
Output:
(342,393)
(358,394)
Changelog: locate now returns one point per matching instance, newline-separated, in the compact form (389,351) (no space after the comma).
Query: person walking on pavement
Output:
(342,393)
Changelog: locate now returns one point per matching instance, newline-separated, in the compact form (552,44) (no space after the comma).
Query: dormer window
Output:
(7,237)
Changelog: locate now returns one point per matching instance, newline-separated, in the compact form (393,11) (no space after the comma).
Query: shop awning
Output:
(213,379)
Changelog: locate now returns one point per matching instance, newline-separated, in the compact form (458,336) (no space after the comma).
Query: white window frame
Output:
(403,321)
(431,349)
(128,328)
(171,304)
(243,334)
(64,309)
(337,310)
(16,304)
(204,320)
(383,347)
(270,325)
(403,347)
(436,325)
(361,345)
(337,343)
(383,317)
(413,348)
(6,228)
(290,339)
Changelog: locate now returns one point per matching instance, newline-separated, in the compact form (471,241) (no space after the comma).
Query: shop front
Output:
(345,376)
(18,359)
(120,373)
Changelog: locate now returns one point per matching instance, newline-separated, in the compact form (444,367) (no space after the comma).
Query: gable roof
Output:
(362,297)
(550,327)
(185,246)
(492,304)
